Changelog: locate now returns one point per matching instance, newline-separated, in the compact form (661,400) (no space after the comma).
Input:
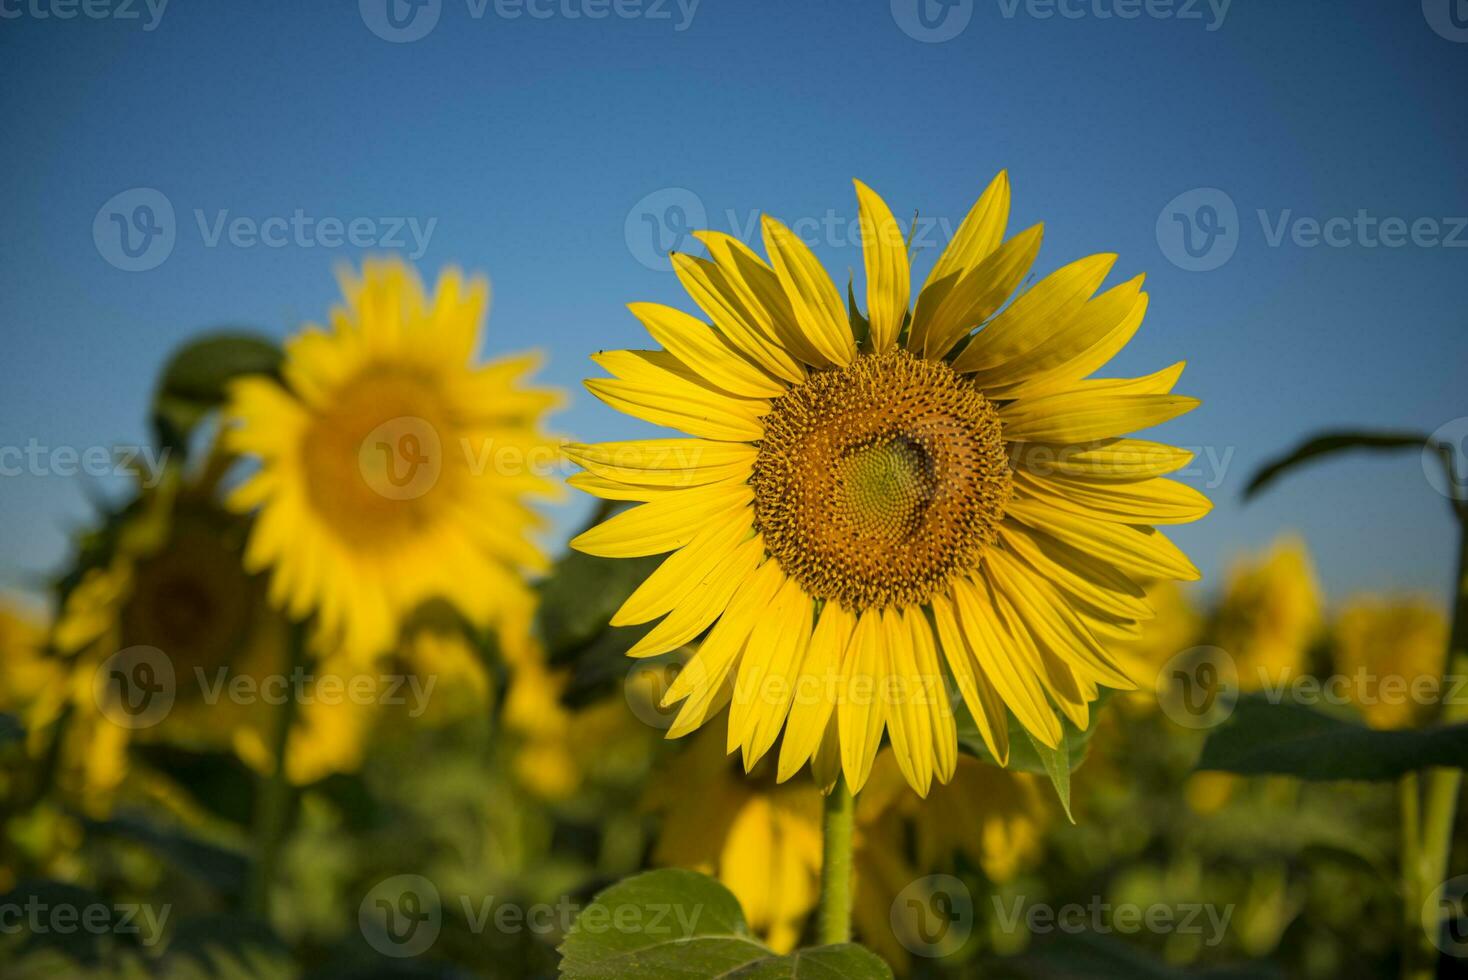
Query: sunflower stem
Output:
(1440,797)
(836,858)
(275,797)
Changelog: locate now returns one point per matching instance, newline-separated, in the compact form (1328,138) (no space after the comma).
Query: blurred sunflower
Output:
(175,588)
(762,840)
(393,469)
(1389,649)
(1270,614)
(854,482)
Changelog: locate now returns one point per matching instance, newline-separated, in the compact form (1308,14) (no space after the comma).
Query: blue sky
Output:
(545,145)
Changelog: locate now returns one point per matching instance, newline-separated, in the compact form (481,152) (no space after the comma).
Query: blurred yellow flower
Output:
(1176,625)
(175,600)
(1270,614)
(392,469)
(761,839)
(1391,653)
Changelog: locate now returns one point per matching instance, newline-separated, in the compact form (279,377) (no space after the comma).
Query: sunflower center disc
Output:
(373,455)
(877,482)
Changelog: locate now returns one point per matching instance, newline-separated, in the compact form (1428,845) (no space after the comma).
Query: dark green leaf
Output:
(681,925)
(1086,956)
(194,381)
(12,729)
(580,595)
(1294,740)
(223,869)
(217,781)
(1329,444)
(1022,752)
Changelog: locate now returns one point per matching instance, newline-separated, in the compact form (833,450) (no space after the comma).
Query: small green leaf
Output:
(1057,766)
(194,381)
(677,925)
(1295,740)
(1022,754)
(861,327)
(1328,444)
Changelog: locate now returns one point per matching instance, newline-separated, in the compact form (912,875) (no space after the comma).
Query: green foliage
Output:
(1262,737)
(677,925)
(194,381)
(1027,754)
(1330,444)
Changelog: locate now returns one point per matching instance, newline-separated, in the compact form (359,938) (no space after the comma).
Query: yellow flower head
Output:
(1391,651)
(392,469)
(862,496)
(1270,614)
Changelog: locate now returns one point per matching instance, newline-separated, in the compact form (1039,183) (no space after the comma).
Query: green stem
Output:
(1441,797)
(1409,795)
(836,858)
(276,796)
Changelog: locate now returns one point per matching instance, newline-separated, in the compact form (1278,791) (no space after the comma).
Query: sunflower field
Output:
(871,604)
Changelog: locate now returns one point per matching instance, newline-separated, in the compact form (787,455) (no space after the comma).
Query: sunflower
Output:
(392,469)
(861,495)
(1392,650)
(1270,614)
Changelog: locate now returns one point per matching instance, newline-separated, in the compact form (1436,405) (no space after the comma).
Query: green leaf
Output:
(1295,740)
(216,866)
(861,327)
(580,595)
(1057,765)
(1023,753)
(681,925)
(1328,444)
(193,382)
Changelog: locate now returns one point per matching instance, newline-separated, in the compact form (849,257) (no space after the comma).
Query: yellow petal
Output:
(984,703)
(705,602)
(816,688)
(906,704)
(1156,501)
(981,291)
(760,293)
(889,276)
(818,308)
(1085,416)
(701,682)
(672,581)
(1108,459)
(942,727)
(1003,661)
(767,673)
(1063,344)
(665,524)
(676,463)
(738,314)
(860,715)
(706,352)
(1095,582)
(977,237)
(1141,553)
(1033,314)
